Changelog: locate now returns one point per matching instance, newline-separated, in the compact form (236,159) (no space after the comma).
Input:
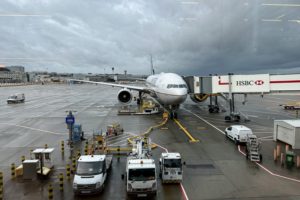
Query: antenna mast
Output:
(152,69)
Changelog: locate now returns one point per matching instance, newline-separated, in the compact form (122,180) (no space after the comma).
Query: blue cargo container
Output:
(77,133)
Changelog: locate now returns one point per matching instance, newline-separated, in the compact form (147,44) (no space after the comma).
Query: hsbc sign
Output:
(259,82)
(247,83)
(242,83)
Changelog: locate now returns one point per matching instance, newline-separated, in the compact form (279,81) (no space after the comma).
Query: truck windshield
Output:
(89,168)
(172,163)
(141,174)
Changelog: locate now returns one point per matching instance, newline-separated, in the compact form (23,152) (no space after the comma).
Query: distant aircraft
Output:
(169,89)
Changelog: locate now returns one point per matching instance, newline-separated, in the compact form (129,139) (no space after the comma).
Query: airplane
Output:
(169,89)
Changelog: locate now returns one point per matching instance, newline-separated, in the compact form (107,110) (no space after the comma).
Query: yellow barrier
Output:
(22,159)
(1,193)
(13,173)
(68,168)
(50,192)
(61,182)
(74,164)
(192,139)
(1,185)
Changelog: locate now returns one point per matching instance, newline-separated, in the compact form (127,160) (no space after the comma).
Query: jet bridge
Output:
(227,86)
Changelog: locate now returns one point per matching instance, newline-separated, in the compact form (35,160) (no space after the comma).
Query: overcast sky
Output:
(196,37)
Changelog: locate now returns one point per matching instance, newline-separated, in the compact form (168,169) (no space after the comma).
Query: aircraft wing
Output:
(130,87)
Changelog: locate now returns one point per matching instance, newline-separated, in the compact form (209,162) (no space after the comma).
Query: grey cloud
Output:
(210,36)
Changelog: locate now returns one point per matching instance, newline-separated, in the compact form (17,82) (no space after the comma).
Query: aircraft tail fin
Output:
(152,68)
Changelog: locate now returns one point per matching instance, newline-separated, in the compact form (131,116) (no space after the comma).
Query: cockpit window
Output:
(176,86)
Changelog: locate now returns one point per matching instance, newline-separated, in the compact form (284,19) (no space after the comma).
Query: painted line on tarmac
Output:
(35,129)
(264,132)
(269,171)
(267,139)
(183,192)
(260,165)
(205,121)
(166,150)
(192,139)
(270,136)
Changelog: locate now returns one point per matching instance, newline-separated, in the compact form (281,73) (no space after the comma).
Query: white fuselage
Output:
(170,88)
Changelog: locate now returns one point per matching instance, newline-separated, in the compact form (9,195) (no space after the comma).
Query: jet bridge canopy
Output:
(254,83)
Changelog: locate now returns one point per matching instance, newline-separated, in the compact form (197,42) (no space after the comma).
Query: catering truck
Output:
(140,172)
(91,173)
(170,167)
(16,98)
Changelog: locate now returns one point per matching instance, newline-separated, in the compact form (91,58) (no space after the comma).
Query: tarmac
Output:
(215,168)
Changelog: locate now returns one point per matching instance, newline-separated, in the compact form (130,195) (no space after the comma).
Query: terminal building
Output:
(13,74)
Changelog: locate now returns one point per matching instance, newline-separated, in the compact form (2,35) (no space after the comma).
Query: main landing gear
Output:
(173,115)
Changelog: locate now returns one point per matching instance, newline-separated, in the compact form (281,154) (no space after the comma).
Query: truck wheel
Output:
(228,118)
(216,109)
(235,141)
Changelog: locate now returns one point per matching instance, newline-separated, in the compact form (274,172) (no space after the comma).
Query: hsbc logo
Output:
(259,82)
(249,83)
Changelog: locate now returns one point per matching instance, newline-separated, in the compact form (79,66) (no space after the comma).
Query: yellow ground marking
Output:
(192,139)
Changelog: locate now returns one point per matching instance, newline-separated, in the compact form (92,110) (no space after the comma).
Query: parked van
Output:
(16,98)
(238,133)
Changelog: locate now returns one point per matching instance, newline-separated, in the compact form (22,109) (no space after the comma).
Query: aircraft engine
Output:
(124,96)
(197,98)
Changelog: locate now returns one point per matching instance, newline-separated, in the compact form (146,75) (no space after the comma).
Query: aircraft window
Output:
(172,86)
(176,86)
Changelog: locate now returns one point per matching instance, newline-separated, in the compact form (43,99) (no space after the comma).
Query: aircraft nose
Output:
(180,99)
(181,96)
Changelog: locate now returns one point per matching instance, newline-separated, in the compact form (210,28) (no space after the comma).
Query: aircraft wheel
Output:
(175,115)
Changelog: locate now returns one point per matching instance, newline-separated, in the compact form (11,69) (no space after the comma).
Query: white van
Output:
(238,133)
(16,98)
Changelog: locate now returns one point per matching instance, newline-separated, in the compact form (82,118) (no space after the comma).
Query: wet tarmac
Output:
(214,169)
